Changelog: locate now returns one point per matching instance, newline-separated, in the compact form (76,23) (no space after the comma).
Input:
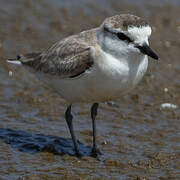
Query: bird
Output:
(97,65)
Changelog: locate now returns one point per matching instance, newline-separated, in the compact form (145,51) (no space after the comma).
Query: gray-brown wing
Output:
(67,58)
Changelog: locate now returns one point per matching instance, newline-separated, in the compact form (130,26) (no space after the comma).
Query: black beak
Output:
(145,49)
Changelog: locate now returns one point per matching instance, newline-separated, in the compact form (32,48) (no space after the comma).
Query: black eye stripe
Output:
(123,37)
(120,35)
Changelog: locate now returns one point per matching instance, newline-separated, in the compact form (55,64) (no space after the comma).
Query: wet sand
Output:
(139,139)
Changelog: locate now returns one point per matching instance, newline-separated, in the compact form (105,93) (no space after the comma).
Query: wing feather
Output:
(67,58)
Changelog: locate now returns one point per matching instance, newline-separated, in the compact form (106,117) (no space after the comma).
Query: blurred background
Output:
(140,138)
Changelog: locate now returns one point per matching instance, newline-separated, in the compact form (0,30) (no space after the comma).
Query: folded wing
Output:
(67,59)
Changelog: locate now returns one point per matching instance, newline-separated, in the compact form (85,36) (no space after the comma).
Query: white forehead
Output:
(139,34)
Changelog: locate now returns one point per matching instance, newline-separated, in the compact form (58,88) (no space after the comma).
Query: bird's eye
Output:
(123,37)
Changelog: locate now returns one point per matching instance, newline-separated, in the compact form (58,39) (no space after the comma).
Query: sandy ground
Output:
(139,139)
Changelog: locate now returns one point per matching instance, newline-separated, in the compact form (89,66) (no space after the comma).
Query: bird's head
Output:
(126,35)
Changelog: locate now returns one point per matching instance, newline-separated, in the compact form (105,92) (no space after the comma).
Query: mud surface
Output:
(140,139)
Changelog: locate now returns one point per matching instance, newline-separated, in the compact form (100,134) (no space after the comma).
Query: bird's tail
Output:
(15,60)
(27,59)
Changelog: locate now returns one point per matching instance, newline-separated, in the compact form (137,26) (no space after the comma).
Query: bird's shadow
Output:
(33,143)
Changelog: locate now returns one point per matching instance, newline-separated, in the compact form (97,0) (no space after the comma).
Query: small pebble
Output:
(178,29)
(105,142)
(168,44)
(154,28)
(10,73)
(165,89)
(168,105)
(112,104)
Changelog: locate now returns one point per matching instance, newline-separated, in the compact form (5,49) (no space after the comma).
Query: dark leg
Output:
(94,108)
(69,117)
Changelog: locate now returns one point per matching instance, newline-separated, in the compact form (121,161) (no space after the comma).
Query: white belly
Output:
(106,80)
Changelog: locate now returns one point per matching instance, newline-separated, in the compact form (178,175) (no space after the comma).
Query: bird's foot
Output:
(78,154)
(95,153)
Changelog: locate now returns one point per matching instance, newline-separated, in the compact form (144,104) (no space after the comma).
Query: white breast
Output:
(121,75)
